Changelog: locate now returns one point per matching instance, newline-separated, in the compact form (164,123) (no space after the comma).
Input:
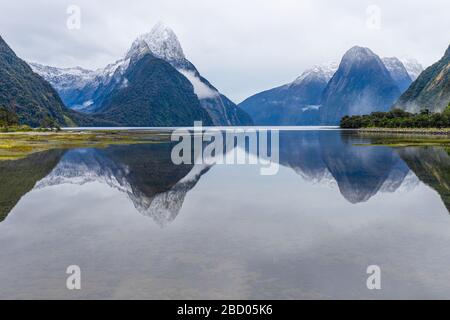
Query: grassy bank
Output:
(17,145)
(404,139)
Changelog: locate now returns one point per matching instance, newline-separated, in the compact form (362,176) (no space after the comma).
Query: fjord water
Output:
(141,227)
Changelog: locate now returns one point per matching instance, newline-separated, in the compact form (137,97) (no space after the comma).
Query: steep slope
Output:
(155,94)
(296,103)
(431,89)
(398,72)
(26,93)
(361,85)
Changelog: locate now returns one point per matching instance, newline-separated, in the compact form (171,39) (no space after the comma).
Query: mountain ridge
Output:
(161,42)
(362,84)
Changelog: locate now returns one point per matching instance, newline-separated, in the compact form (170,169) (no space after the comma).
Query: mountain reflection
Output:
(145,173)
(359,171)
(157,187)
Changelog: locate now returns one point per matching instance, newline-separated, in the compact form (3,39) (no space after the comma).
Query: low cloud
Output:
(200,89)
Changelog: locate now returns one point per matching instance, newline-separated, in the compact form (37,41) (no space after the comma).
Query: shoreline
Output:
(414,131)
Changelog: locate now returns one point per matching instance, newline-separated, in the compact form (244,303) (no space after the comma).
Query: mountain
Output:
(155,94)
(430,90)
(91,91)
(362,84)
(27,93)
(296,103)
(412,66)
(398,72)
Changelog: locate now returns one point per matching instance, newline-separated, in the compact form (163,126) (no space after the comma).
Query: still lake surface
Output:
(141,227)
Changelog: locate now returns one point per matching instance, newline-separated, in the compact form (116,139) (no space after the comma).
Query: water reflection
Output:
(432,166)
(20,176)
(359,171)
(157,187)
(310,231)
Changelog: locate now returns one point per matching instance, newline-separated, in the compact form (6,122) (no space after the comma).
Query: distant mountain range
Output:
(361,83)
(296,103)
(431,90)
(152,85)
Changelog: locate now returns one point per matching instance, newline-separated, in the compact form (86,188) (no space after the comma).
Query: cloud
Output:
(242,47)
(200,89)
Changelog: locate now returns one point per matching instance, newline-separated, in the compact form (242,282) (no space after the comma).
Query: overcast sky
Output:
(241,46)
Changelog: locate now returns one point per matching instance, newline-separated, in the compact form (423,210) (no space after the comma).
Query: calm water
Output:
(141,227)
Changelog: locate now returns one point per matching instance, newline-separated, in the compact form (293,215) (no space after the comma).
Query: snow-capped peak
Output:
(161,41)
(358,53)
(413,67)
(322,72)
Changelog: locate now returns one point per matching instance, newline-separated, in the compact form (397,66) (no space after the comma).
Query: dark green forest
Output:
(398,118)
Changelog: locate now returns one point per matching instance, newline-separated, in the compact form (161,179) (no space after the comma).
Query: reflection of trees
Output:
(432,166)
(17,177)
(359,171)
(158,188)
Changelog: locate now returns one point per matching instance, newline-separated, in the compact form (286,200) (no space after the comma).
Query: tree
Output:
(425,111)
(49,123)
(8,118)
(447,110)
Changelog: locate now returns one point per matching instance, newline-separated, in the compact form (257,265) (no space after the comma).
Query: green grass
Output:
(20,145)
(404,140)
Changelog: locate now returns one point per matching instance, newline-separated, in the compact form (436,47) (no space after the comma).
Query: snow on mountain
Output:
(358,53)
(413,67)
(78,87)
(63,78)
(162,42)
(86,90)
(322,72)
(398,72)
